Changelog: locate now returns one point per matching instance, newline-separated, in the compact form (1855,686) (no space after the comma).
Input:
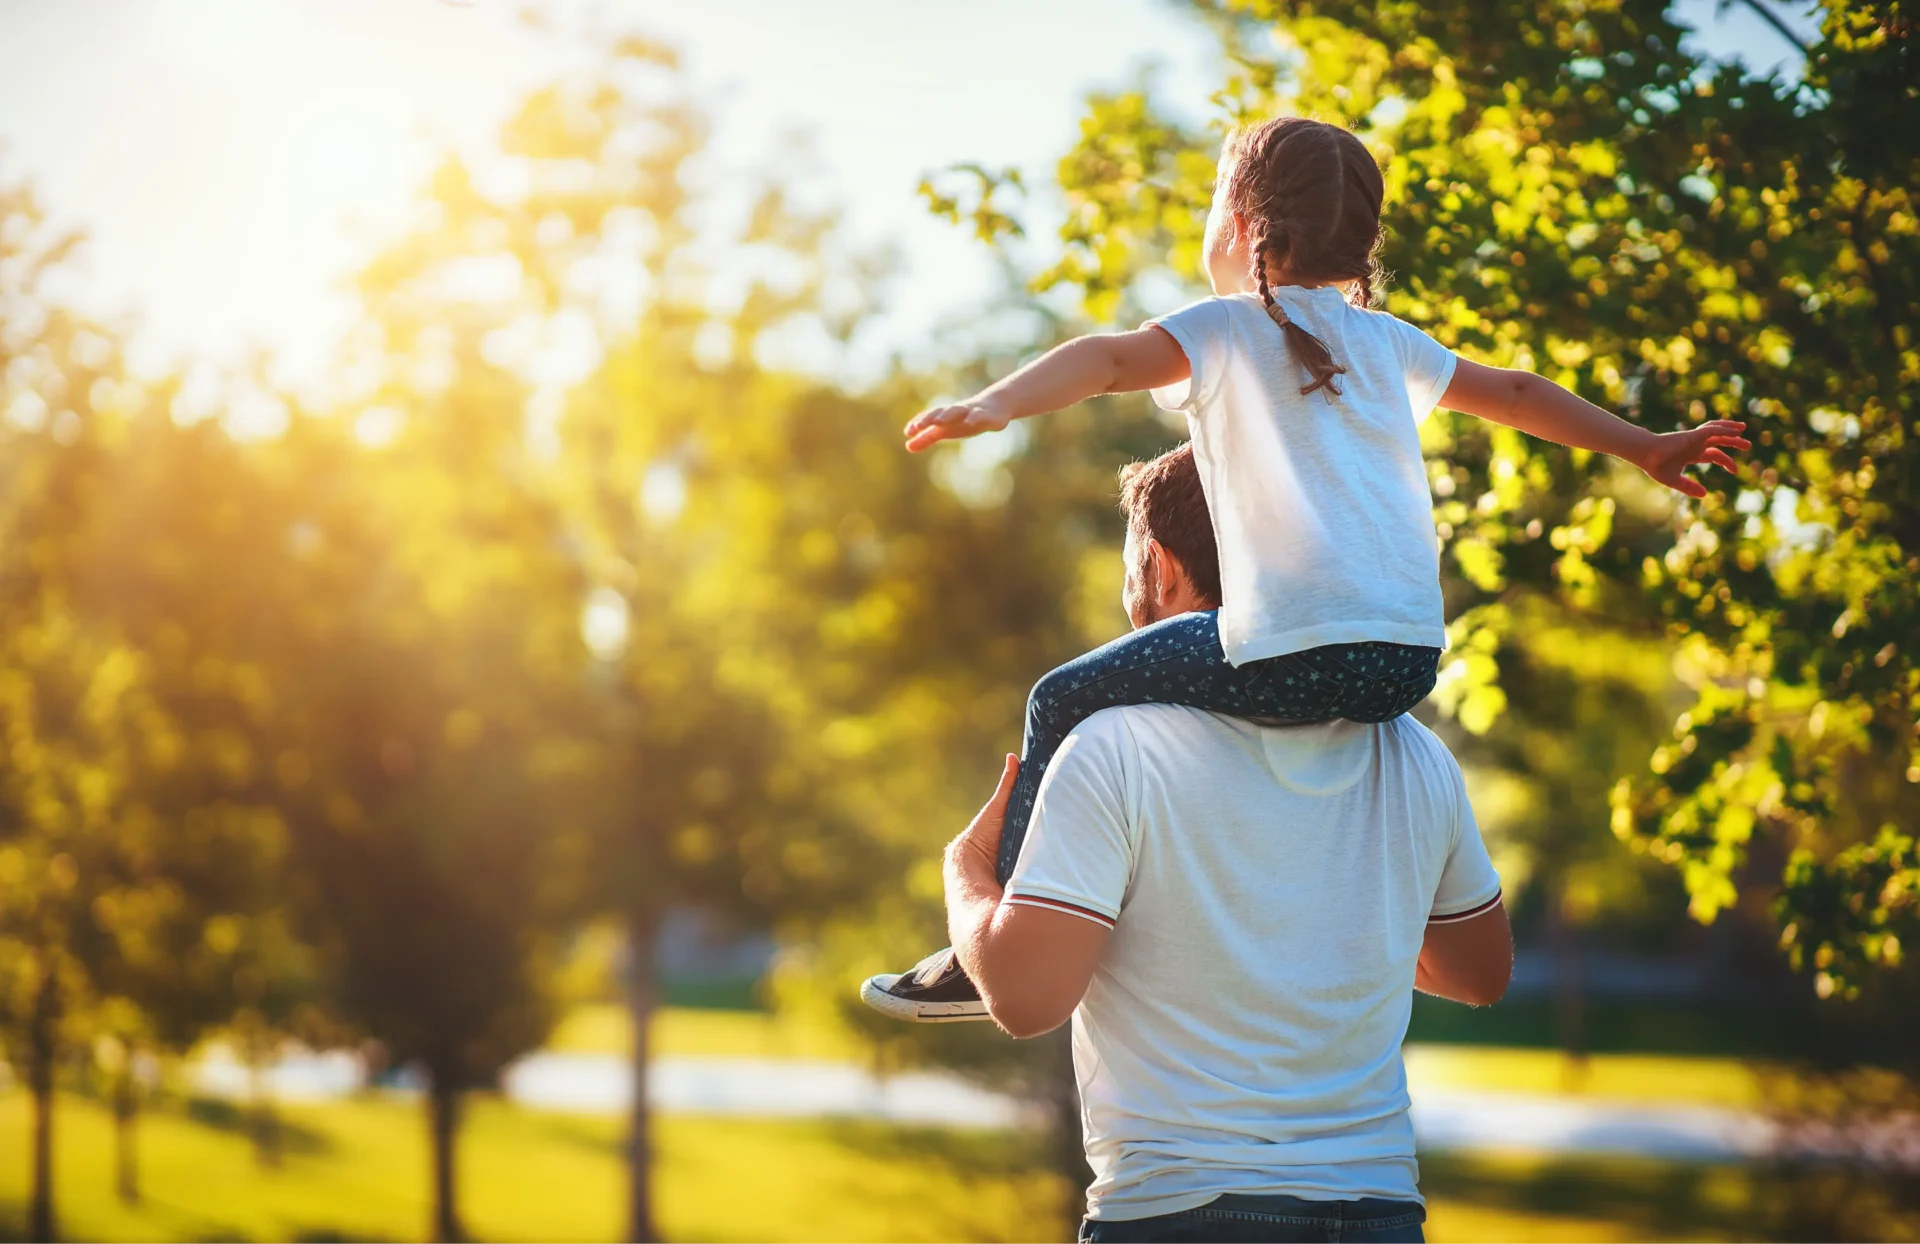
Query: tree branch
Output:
(1772,19)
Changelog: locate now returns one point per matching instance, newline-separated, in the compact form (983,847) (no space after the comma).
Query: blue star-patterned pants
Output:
(1179,661)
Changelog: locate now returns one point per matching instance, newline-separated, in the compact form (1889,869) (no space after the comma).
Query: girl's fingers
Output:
(939,416)
(1691,486)
(1730,442)
(935,415)
(1719,458)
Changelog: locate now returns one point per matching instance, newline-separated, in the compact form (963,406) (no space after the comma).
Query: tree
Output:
(794,626)
(425,645)
(221,949)
(687,472)
(139,861)
(1572,191)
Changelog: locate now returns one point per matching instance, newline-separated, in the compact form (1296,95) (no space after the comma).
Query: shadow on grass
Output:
(974,1152)
(1665,1200)
(968,1151)
(14,1231)
(1659,1200)
(288,1137)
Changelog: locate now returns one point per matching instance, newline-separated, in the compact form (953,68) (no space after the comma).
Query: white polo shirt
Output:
(1268,890)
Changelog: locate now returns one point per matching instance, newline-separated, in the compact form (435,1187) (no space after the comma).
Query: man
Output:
(1235,915)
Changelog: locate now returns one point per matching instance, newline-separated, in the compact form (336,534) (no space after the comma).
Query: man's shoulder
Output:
(1136,731)
(1419,742)
(1137,738)
(1128,723)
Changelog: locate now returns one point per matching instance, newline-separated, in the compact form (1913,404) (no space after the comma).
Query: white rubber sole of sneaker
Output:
(919,1012)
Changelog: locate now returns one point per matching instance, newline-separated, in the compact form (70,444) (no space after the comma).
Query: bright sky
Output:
(233,159)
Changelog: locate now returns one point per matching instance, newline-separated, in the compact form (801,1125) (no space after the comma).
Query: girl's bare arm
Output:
(1082,368)
(1539,407)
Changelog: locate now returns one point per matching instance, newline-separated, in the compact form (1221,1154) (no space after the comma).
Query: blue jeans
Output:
(1236,1219)
(1180,661)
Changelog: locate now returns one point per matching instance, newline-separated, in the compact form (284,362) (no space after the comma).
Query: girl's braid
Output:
(1311,350)
(1311,196)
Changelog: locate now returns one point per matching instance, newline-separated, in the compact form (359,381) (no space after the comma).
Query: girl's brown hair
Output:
(1310,193)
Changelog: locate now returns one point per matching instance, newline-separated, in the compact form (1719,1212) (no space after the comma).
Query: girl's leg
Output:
(1176,661)
(1369,682)
(1180,661)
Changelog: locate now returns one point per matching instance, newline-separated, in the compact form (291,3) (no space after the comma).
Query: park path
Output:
(1443,1118)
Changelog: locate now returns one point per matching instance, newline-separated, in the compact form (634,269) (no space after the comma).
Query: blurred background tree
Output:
(129,853)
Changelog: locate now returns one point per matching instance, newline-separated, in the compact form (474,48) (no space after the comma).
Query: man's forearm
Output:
(973,896)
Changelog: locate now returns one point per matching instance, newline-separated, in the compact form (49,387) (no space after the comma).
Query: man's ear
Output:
(1169,577)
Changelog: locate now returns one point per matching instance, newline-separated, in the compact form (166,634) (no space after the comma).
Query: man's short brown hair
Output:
(1162,500)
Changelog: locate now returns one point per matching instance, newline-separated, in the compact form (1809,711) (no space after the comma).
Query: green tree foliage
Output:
(184,496)
(130,856)
(390,772)
(428,652)
(1571,191)
(795,632)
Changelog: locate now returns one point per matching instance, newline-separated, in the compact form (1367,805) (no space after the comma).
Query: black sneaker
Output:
(937,991)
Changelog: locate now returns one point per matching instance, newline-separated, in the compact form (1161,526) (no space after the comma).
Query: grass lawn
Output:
(1666,1078)
(358,1170)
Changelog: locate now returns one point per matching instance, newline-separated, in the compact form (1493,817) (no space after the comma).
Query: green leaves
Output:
(1853,914)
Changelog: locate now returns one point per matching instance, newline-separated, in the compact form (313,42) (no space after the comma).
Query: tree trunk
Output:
(125,1105)
(1569,996)
(41,1051)
(642,998)
(263,1124)
(443,1114)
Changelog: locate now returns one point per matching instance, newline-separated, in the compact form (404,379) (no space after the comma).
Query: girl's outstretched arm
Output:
(1082,368)
(1539,407)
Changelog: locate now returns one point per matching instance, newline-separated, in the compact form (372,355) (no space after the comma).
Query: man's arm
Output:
(1467,960)
(1031,964)
(1085,367)
(1539,407)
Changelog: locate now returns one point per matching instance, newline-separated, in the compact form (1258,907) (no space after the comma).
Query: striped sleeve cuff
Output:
(1056,904)
(1477,910)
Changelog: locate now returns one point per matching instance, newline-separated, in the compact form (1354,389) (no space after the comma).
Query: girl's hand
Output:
(953,423)
(1671,453)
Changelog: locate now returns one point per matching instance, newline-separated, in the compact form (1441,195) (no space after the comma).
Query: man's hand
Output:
(957,422)
(977,850)
(1031,964)
(1671,453)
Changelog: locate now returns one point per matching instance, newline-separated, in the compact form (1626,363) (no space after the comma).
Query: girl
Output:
(1303,407)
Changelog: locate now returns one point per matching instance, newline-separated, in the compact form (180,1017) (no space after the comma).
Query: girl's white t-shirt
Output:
(1320,503)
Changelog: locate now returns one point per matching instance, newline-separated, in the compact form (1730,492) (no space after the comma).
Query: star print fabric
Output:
(1180,661)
